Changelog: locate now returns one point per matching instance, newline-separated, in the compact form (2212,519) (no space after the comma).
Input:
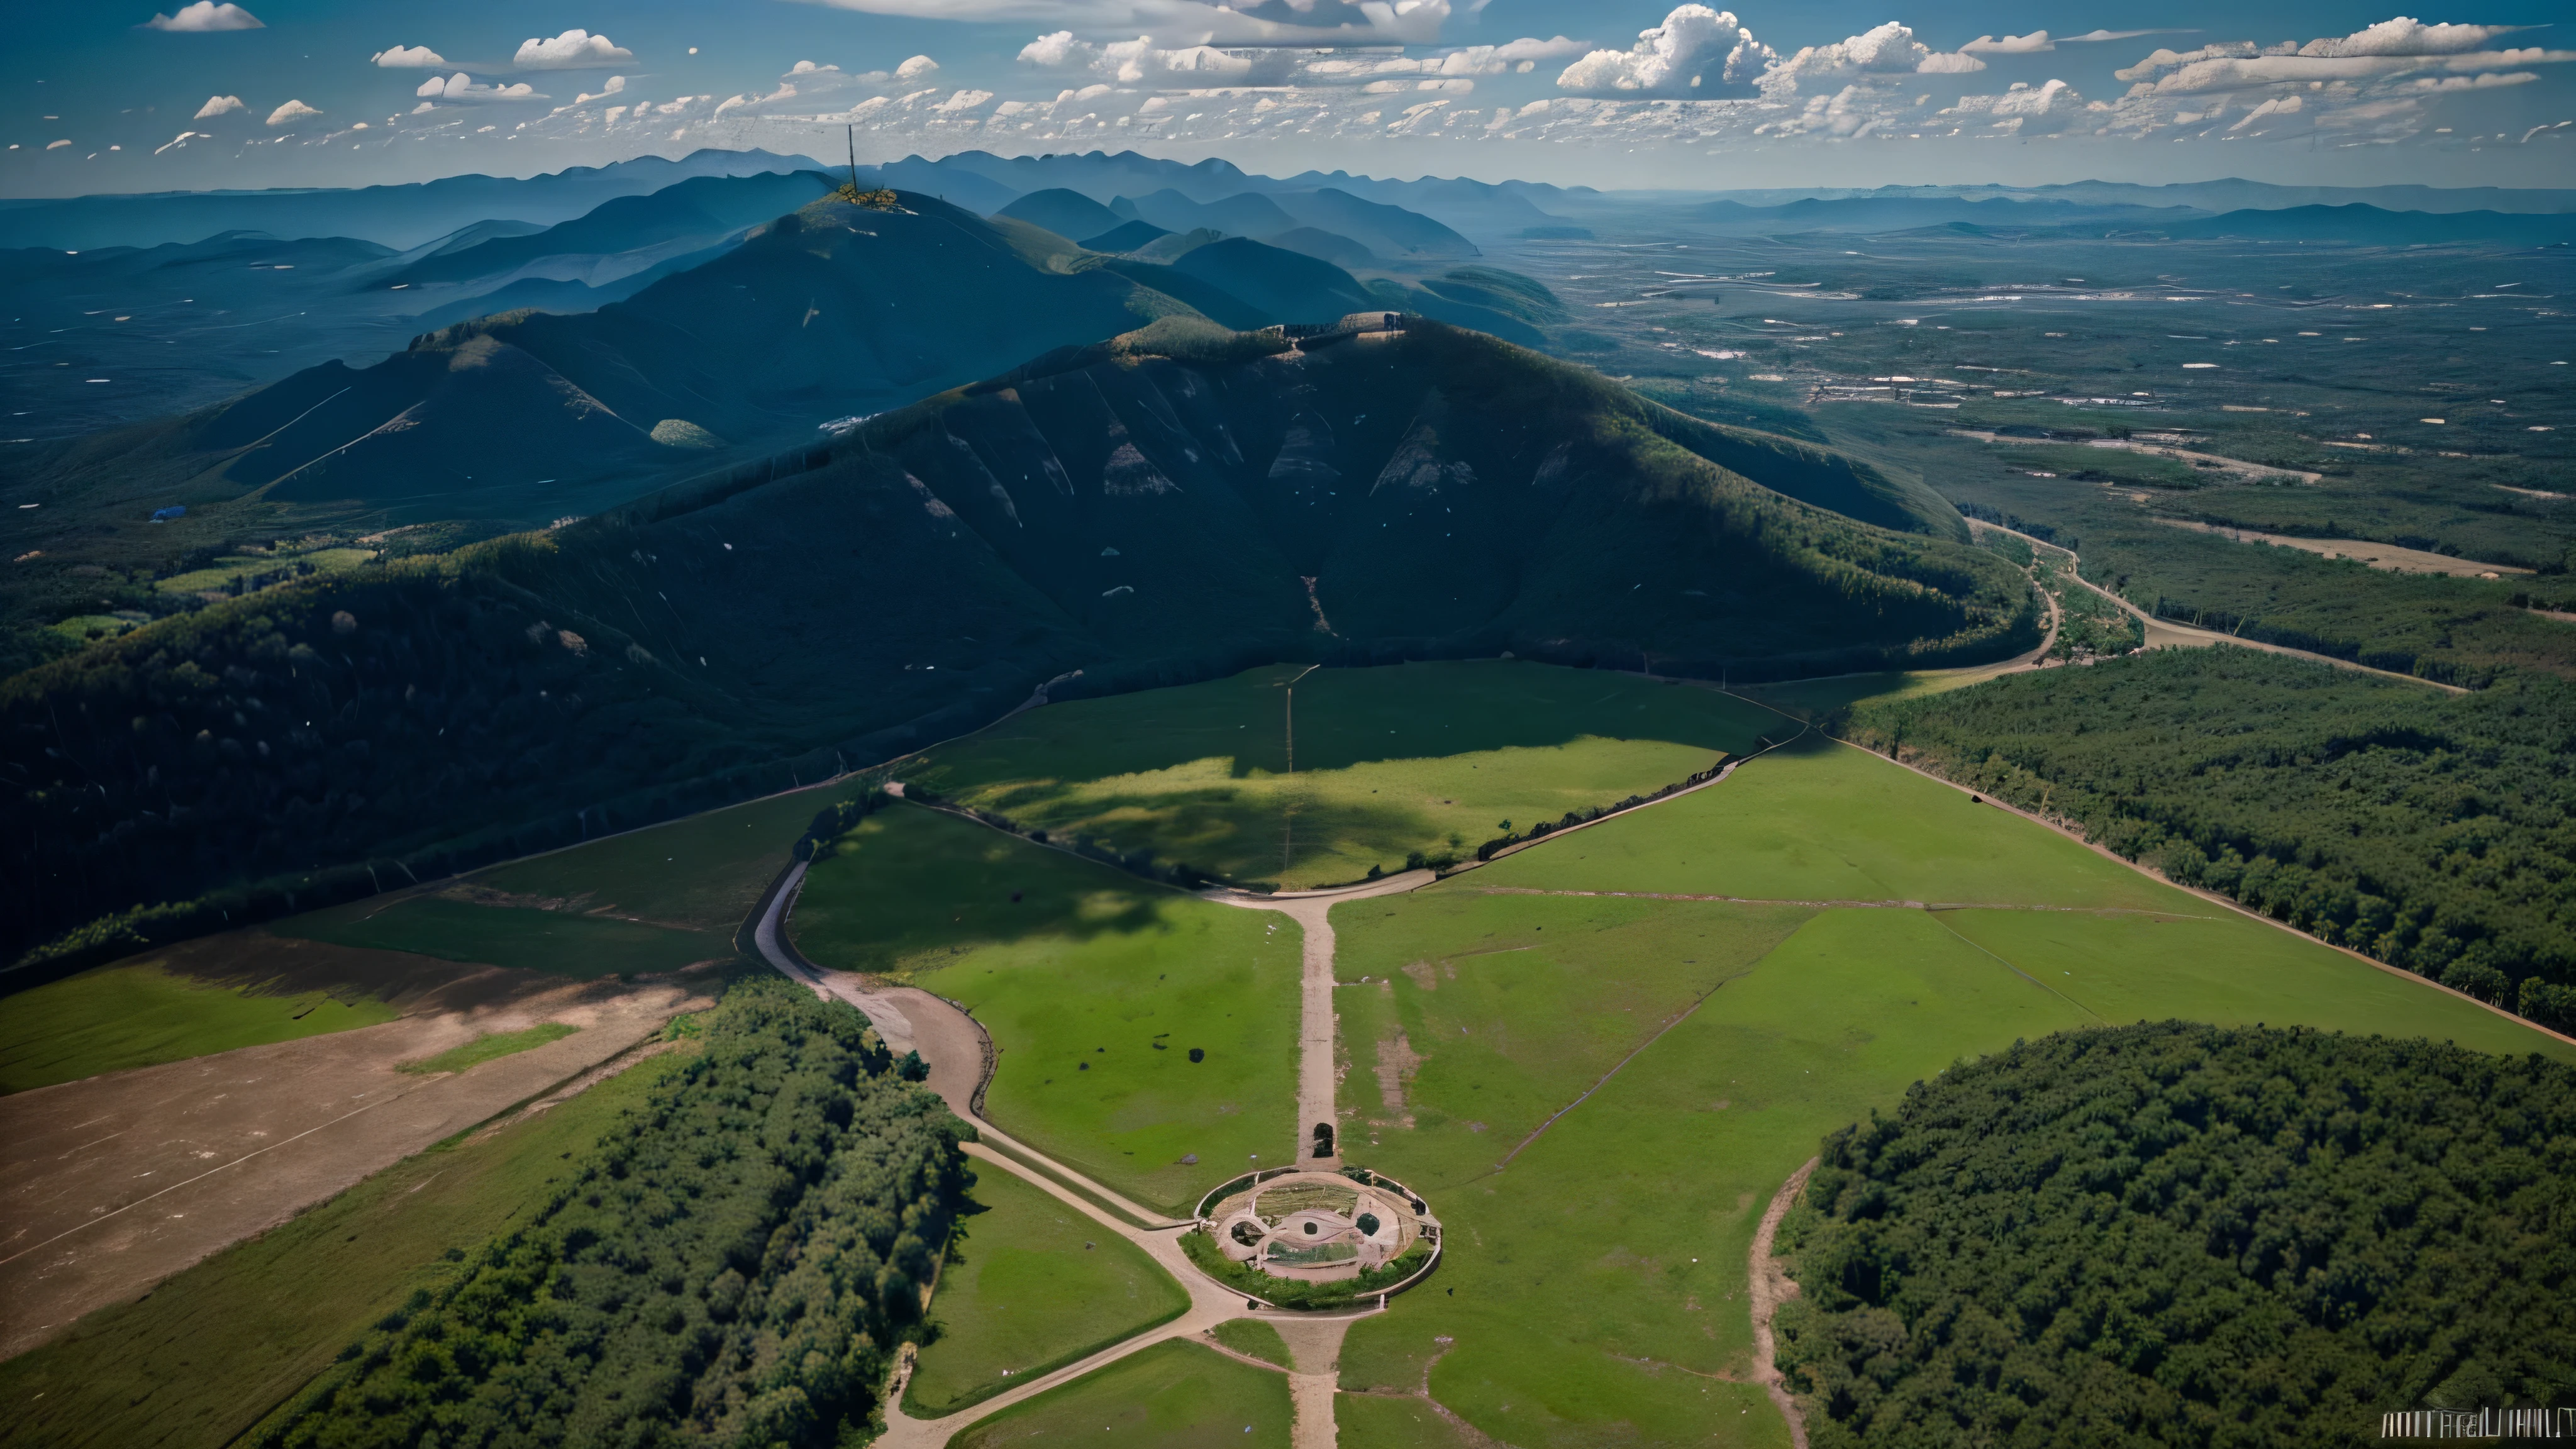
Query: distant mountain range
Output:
(1181,502)
(2229,194)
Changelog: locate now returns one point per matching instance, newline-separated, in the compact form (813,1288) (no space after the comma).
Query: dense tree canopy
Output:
(733,1266)
(2434,831)
(2178,1234)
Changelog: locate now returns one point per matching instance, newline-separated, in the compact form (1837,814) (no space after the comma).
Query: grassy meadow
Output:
(1427,758)
(1595,1286)
(649,901)
(208,1353)
(1095,985)
(1175,1395)
(140,1013)
(490,1047)
(1253,1338)
(1029,1286)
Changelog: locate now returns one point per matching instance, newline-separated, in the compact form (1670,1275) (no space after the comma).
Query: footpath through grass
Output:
(1031,1286)
(1595,1286)
(1175,1395)
(206,1354)
(1096,986)
(1428,758)
(140,1014)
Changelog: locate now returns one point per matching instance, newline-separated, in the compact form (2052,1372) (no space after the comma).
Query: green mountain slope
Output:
(1178,503)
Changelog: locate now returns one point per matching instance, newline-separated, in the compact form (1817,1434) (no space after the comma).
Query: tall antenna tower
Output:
(851,134)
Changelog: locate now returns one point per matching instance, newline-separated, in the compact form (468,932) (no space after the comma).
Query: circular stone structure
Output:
(1317,1226)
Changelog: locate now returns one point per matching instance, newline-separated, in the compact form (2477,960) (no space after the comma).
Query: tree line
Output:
(2180,1234)
(733,1264)
(2435,832)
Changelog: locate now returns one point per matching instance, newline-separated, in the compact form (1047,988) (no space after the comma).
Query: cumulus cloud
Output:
(2025,109)
(56,145)
(2091,37)
(217,106)
(180,140)
(1141,62)
(616,83)
(418,57)
(1182,23)
(2277,106)
(460,89)
(1696,52)
(915,68)
(2029,44)
(292,112)
(206,16)
(572,50)
(1059,51)
(1889,49)
(963,102)
(2405,36)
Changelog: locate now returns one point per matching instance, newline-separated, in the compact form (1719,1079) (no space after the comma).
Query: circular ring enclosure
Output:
(1316,1226)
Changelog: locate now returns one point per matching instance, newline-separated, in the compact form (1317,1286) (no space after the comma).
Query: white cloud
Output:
(1141,62)
(1058,51)
(616,83)
(56,145)
(1888,49)
(2025,110)
(181,139)
(418,57)
(1696,52)
(1183,23)
(2164,59)
(460,89)
(963,102)
(206,16)
(915,68)
(2277,106)
(217,106)
(2489,81)
(2029,44)
(571,50)
(1532,48)
(2405,36)
(292,112)
(2094,36)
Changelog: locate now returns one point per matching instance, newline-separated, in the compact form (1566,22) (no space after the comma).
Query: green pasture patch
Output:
(489,1047)
(138,1013)
(1095,985)
(1030,1286)
(2118,465)
(1569,1290)
(2228,970)
(1253,1338)
(1827,822)
(1427,758)
(1174,1395)
(1392,1421)
(1514,1005)
(559,942)
(209,1352)
(705,872)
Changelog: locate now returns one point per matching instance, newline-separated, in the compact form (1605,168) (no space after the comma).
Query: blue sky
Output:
(112,95)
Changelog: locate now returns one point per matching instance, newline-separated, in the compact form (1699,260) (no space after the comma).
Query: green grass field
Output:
(1594,1287)
(207,1354)
(650,901)
(138,1014)
(490,1047)
(1175,1395)
(1388,1421)
(1031,1286)
(1256,1338)
(1388,761)
(1823,821)
(1095,986)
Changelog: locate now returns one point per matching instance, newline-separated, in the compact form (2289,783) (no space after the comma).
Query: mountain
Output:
(400,217)
(1177,503)
(1390,231)
(1323,246)
(2229,194)
(829,311)
(626,234)
(1283,286)
(1246,213)
(1126,236)
(1068,214)
(1458,205)
(2362,225)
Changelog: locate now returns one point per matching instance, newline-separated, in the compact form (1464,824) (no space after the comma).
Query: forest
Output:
(2433,831)
(733,1265)
(2181,1234)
